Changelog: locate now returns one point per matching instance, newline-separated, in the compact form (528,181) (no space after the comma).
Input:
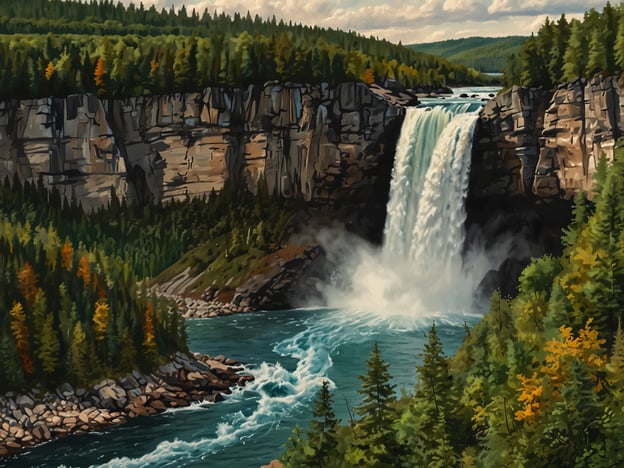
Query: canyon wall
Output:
(547,145)
(533,152)
(315,142)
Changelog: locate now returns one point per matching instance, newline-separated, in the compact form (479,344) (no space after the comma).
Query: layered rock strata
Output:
(530,142)
(30,419)
(316,142)
(533,152)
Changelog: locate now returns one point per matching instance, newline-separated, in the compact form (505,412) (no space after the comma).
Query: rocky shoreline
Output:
(30,419)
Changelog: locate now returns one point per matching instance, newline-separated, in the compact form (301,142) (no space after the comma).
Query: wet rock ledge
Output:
(30,419)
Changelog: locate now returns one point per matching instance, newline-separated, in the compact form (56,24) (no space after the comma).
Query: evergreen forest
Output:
(564,50)
(539,381)
(54,47)
(74,285)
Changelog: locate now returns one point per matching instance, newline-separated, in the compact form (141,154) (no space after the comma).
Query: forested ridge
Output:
(53,47)
(539,381)
(563,50)
(486,54)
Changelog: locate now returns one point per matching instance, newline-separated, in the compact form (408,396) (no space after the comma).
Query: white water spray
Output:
(419,272)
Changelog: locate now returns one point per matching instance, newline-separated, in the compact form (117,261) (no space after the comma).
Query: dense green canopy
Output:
(60,47)
(565,49)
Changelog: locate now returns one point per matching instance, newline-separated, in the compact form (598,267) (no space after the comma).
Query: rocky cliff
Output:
(531,142)
(318,143)
(533,152)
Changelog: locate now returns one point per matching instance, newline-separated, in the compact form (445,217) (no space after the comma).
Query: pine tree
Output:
(434,380)
(597,58)
(574,422)
(100,319)
(580,214)
(533,71)
(322,434)
(11,372)
(49,346)
(79,354)
(27,283)
(38,314)
(375,444)
(127,352)
(575,57)
(612,419)
(20,333)
(423,430)
(619,45)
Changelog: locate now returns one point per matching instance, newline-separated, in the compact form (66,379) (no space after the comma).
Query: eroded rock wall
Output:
(533,152)
(547,145)
(318,143)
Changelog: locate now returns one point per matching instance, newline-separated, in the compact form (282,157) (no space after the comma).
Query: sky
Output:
(408,21)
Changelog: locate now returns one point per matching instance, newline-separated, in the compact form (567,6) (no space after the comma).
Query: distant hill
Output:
(486,54)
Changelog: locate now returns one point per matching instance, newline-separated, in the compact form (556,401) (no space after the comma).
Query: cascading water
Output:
(429,182)
(419,273)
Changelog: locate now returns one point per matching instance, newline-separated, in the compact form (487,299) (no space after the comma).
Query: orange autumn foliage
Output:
(561,353)
(98,74)
(19,331)
(27,283)
(530,393)
(369,76)
(67,255)
(83,271)
(49,71)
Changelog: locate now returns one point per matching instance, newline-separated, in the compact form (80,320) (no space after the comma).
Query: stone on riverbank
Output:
(30,419)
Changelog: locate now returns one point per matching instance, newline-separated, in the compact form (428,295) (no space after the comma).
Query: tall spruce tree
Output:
(575,57)
(375,443)
(424,429)
(322,438)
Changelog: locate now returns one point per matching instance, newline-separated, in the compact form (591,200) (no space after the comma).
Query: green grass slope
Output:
(486,54)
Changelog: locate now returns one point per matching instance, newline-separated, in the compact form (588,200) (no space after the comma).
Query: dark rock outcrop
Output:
(530,142)
(291,277)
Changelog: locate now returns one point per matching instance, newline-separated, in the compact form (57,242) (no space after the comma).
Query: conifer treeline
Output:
(52,47)
(152,237)
(70,307)
(539,381)
(564,50)
(71,313)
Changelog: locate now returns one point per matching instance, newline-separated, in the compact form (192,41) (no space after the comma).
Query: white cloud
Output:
(405,20)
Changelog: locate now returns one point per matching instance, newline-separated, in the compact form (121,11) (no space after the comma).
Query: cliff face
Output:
(318,143)
(533,152)
(547,145)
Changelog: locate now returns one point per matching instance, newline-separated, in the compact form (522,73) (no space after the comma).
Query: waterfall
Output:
(429,184)
(421,134)
(419,273)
